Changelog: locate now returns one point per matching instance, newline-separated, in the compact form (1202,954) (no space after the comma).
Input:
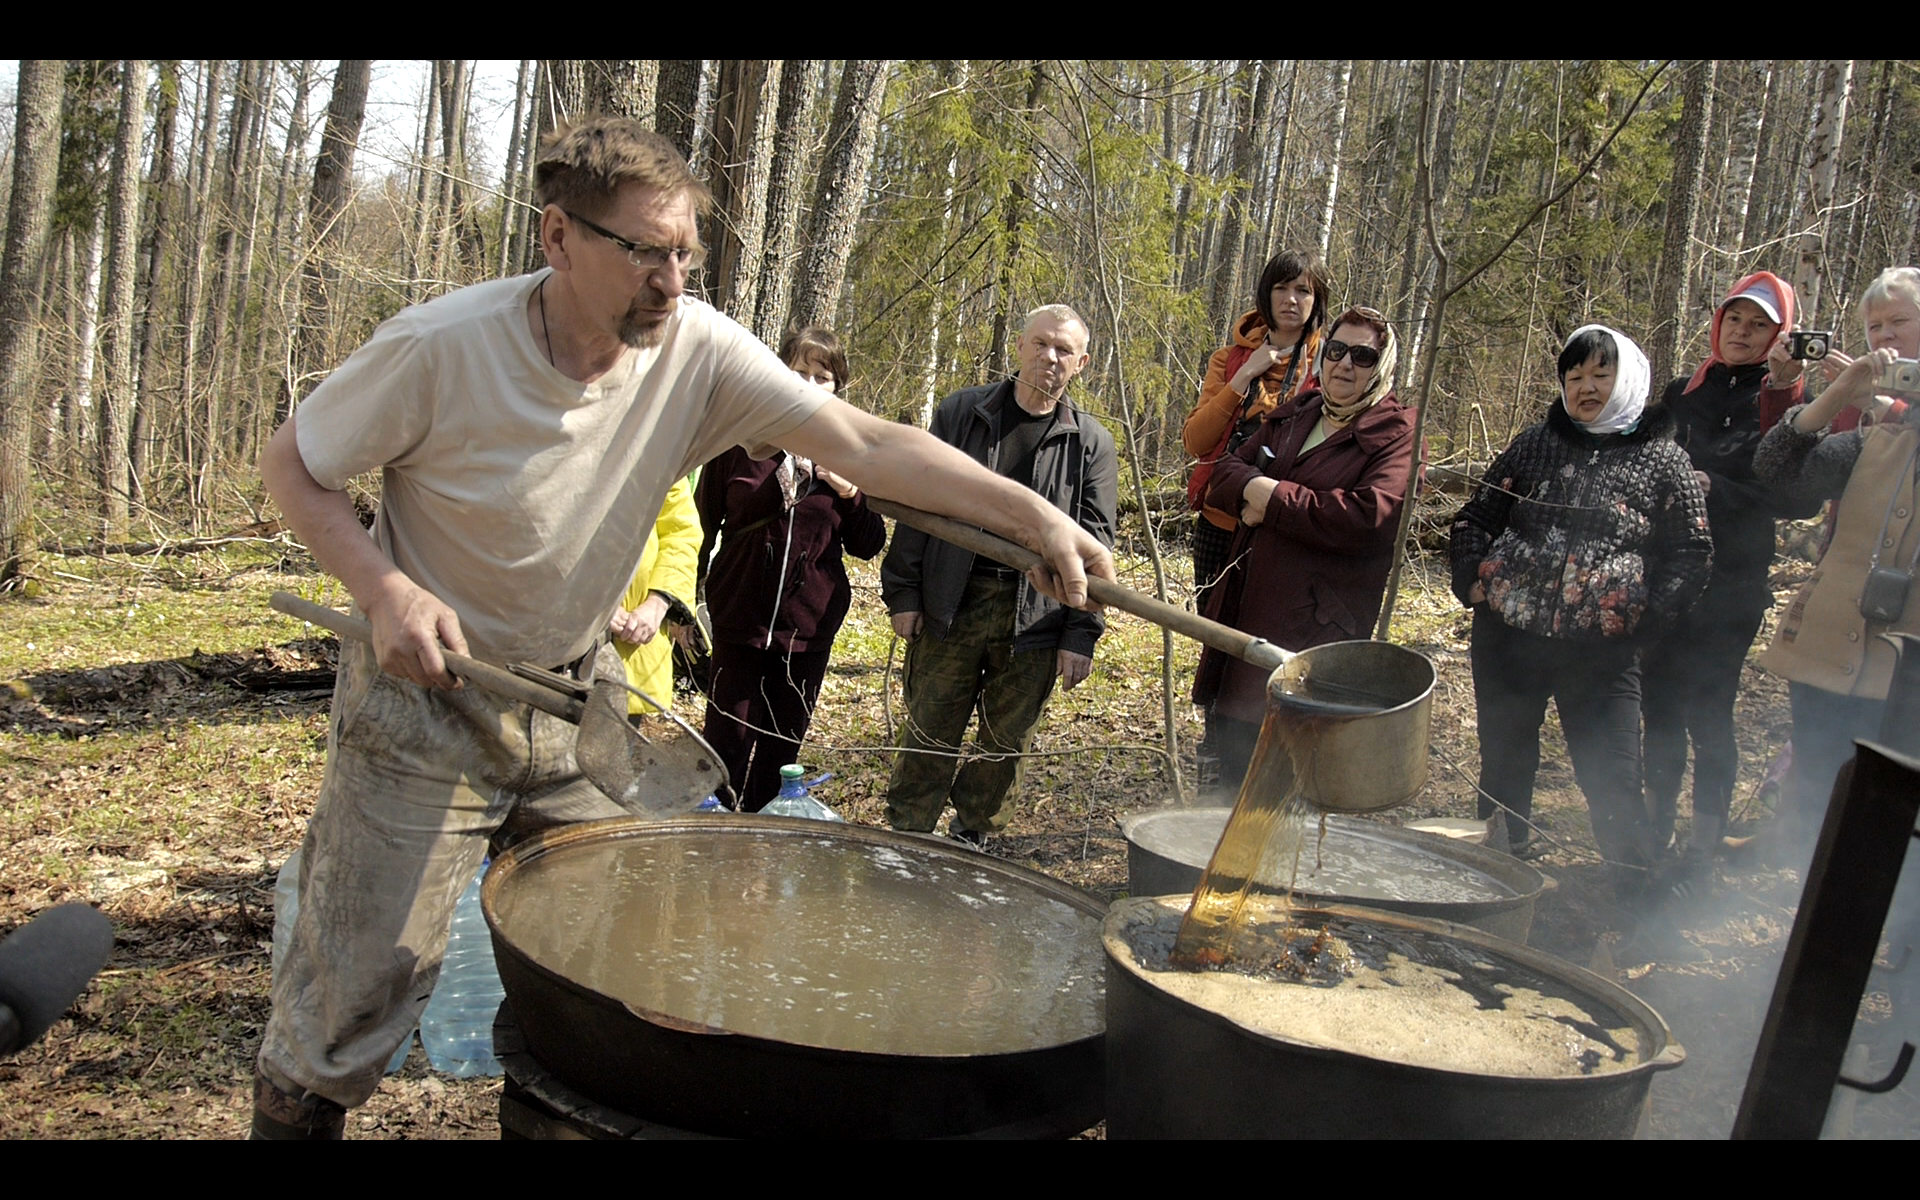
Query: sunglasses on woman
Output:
(1364,357)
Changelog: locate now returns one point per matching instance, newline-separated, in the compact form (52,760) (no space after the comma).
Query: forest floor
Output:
(161,740)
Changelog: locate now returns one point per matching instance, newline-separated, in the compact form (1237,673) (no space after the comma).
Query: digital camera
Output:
(1809,345)
(1901,378)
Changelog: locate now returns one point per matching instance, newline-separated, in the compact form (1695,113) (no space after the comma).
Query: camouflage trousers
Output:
(974,668)
(416,783)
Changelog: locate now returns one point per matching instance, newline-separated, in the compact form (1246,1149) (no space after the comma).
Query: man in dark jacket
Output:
(978,634)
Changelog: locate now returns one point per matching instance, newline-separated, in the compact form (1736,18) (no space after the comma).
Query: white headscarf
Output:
(1632,379)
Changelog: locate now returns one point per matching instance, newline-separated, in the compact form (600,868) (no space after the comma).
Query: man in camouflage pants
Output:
(979,637)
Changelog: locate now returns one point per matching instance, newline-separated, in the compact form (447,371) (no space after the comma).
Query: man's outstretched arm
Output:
(899,462)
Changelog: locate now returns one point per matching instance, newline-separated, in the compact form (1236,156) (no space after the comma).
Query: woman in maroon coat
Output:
(777,589)
(1319,489)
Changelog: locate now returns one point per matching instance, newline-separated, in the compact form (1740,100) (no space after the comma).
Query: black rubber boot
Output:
(279,1117)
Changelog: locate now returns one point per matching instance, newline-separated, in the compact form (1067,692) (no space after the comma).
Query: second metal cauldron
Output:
(1177,1069)
(1168,848)
(794,1038)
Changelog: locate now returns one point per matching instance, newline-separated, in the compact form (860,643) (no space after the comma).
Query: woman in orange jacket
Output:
(1270,362)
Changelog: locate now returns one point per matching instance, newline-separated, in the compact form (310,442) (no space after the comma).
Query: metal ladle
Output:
(648,777)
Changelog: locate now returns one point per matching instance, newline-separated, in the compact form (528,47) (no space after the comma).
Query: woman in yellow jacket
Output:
(664,579)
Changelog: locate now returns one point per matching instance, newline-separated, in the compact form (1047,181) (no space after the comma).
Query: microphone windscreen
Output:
(47,962)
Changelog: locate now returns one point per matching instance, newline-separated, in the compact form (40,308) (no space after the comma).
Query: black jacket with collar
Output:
(1076,468)
(1719,426)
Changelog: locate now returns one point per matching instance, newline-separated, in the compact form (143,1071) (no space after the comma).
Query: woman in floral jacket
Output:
(1586,539)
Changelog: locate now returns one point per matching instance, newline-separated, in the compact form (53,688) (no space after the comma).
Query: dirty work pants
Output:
(1595,684)
(946,679)
(416,782)
(759,705)
(1688,685)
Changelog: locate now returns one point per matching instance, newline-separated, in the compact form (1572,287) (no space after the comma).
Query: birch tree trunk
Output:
(1754,127)
(123,231)
(1829,128)
(1270,224)
(1343,88)
(426,193)
(87,247)
(1863,214)
(842,189)
(36,161)
(1672,279)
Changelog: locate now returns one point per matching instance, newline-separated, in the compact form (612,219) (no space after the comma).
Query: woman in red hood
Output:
(1690,678)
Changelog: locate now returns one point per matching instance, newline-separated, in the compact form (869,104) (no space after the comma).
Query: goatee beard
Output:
(643,336)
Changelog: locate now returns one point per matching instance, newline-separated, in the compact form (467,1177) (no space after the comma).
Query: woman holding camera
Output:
(1828,646)
(1586,540)
(1689,681)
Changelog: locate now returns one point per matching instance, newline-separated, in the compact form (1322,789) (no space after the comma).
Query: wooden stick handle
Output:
(497,680)
(1227,640)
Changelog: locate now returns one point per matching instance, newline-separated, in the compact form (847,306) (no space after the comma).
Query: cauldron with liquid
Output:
(1179,1067)
(763,976)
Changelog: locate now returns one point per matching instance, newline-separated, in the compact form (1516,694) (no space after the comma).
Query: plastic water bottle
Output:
(286,903)
(712,804)
(793,800)
(457,1028)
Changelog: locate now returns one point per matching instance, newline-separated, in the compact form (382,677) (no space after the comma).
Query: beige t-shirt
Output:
(520,497)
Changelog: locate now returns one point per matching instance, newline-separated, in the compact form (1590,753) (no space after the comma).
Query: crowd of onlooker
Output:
(1616,557)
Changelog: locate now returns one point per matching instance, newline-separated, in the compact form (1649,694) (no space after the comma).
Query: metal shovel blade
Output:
(652,778)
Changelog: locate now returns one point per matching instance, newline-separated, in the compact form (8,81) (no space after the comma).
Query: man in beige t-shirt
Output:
(526,431)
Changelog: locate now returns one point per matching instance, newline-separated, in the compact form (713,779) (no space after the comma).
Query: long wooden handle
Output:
(497,680)
(1227,640)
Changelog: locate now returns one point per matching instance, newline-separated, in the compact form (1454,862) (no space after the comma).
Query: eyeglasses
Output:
(647,258)
(1364,357)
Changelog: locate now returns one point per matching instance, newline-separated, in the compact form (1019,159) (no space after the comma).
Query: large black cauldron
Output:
(815,911)
(1176,1069)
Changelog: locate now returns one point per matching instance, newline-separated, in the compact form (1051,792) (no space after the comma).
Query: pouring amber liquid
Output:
(1262,843)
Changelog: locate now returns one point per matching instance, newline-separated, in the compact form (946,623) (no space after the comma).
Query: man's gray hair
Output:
(1058,312)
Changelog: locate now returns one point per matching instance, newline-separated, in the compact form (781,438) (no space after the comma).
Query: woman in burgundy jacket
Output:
(777,589)
(1319,489)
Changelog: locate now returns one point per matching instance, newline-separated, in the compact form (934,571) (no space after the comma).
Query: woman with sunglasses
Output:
(1586,540)
(1317,490)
